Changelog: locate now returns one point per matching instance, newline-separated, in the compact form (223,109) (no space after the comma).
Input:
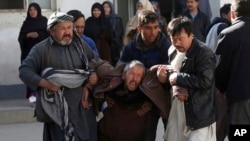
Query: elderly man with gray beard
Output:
(63,50)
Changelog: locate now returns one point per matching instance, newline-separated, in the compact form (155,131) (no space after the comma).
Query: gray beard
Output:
(64,43)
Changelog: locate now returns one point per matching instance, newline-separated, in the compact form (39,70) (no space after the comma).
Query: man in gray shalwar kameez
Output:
(66,51)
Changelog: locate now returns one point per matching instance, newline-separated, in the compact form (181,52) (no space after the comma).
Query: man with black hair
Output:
(218,24)
(191,77)
(149,46)
(79,25)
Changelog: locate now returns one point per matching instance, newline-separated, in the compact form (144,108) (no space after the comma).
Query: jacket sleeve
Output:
(223,68)
(164,51)
(198,73)
(125,54)
(29,69)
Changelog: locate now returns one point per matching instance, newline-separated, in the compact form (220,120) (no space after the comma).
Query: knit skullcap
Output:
(58,17)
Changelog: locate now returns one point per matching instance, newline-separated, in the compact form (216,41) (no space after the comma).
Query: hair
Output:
(225,9)
(37,7)
(76,14)
(112,10)
(98,6)
(241,8)
(177,24)
(146,16)
(132,64)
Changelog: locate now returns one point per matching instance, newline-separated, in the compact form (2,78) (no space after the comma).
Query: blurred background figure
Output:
(98,28)
(95,22)
(116,30)
(162,20)
(217,25)
(79,24)
(133,22)
(181,6)
(200,19)
(33,31)
(204,6)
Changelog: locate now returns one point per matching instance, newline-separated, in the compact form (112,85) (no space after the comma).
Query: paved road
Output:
(33,132)
(21,132)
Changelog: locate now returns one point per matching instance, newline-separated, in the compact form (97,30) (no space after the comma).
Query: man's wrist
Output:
(173,77)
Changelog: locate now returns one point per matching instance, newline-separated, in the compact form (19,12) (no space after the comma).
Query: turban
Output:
(58,17)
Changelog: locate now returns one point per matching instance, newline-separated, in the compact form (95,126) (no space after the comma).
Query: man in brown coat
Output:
(130,93)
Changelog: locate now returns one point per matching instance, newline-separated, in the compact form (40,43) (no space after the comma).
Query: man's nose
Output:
(176,43)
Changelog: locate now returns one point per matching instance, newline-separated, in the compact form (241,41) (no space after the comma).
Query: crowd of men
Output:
(194,76)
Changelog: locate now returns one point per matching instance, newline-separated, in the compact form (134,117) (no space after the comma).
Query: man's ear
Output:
(233,16)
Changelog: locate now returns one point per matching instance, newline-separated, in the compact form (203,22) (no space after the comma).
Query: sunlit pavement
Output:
(33,132)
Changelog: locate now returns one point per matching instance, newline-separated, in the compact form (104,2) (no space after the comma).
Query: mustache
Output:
(133,81)
(178,47)
(67,35)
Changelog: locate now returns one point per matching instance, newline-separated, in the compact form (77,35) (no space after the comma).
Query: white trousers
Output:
(178,131)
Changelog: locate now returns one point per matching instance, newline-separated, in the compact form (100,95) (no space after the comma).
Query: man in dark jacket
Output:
(200,19)
(191,75)
(150,46)
(232,71)
(218,24)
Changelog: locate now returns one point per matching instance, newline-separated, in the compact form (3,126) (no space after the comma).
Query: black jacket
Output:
(232,72)
(197,75)
(200,24)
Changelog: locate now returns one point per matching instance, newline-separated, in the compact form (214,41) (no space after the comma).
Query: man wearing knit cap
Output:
(63,50)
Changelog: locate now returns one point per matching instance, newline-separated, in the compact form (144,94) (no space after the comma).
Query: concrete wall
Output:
(222,2)
(215,8)
(10,84)
(82,5)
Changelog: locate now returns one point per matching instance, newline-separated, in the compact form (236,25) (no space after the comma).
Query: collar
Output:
(140,45)
(189,54)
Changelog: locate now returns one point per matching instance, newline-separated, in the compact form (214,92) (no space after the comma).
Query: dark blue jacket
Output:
(91,43)
(155,54)
(220,27)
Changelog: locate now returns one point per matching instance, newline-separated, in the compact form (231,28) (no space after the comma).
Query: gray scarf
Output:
(54,103)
